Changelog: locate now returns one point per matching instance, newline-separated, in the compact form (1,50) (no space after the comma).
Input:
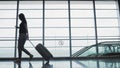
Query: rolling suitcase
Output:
(43,51)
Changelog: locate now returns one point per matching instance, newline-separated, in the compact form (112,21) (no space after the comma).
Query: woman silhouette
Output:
(23,36)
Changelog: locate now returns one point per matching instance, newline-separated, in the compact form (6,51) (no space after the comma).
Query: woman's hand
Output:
(27,36)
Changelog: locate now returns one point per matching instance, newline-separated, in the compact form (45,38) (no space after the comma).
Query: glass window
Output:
(79,23)
(7,28)
(107,20)
(56,5)
(106,13)
(57,25)
(82,24)
(56,28)
(81,13)
(81,5)
(106,4)
(56,14)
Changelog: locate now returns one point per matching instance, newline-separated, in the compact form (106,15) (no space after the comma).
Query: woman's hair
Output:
(22,17)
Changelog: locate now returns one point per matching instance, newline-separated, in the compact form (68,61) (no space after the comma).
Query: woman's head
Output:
(21,16)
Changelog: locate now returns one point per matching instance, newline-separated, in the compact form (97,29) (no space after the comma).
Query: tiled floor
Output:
(108,63)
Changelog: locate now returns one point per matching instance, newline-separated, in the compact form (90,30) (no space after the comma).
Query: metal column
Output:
(16,30)
(43,34)
(118,2)
(95,24)
(43,38)
(69,15)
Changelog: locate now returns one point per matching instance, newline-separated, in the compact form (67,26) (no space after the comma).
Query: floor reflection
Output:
(101,63)
(93,63)
(47,65)
(20,66)
(30,65)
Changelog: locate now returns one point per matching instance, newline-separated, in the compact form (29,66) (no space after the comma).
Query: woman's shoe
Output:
(17,61)
(31,56)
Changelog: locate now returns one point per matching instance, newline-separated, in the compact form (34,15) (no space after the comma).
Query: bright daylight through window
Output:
(57,25)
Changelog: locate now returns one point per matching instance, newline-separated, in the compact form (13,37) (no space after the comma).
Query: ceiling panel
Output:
(57,0)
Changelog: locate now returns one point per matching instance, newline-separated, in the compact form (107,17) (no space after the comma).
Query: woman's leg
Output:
(21,47)
(21,43)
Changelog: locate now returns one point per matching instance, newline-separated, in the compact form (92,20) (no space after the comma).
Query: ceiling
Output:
(57,0)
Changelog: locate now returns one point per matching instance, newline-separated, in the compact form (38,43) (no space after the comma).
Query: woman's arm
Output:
(27,34)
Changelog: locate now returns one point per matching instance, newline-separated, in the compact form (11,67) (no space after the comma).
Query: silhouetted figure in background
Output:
(23,36)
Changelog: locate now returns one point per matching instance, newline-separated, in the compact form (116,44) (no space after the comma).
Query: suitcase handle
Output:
(32,43)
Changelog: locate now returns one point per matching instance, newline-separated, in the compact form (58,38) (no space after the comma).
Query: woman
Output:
(23,36)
